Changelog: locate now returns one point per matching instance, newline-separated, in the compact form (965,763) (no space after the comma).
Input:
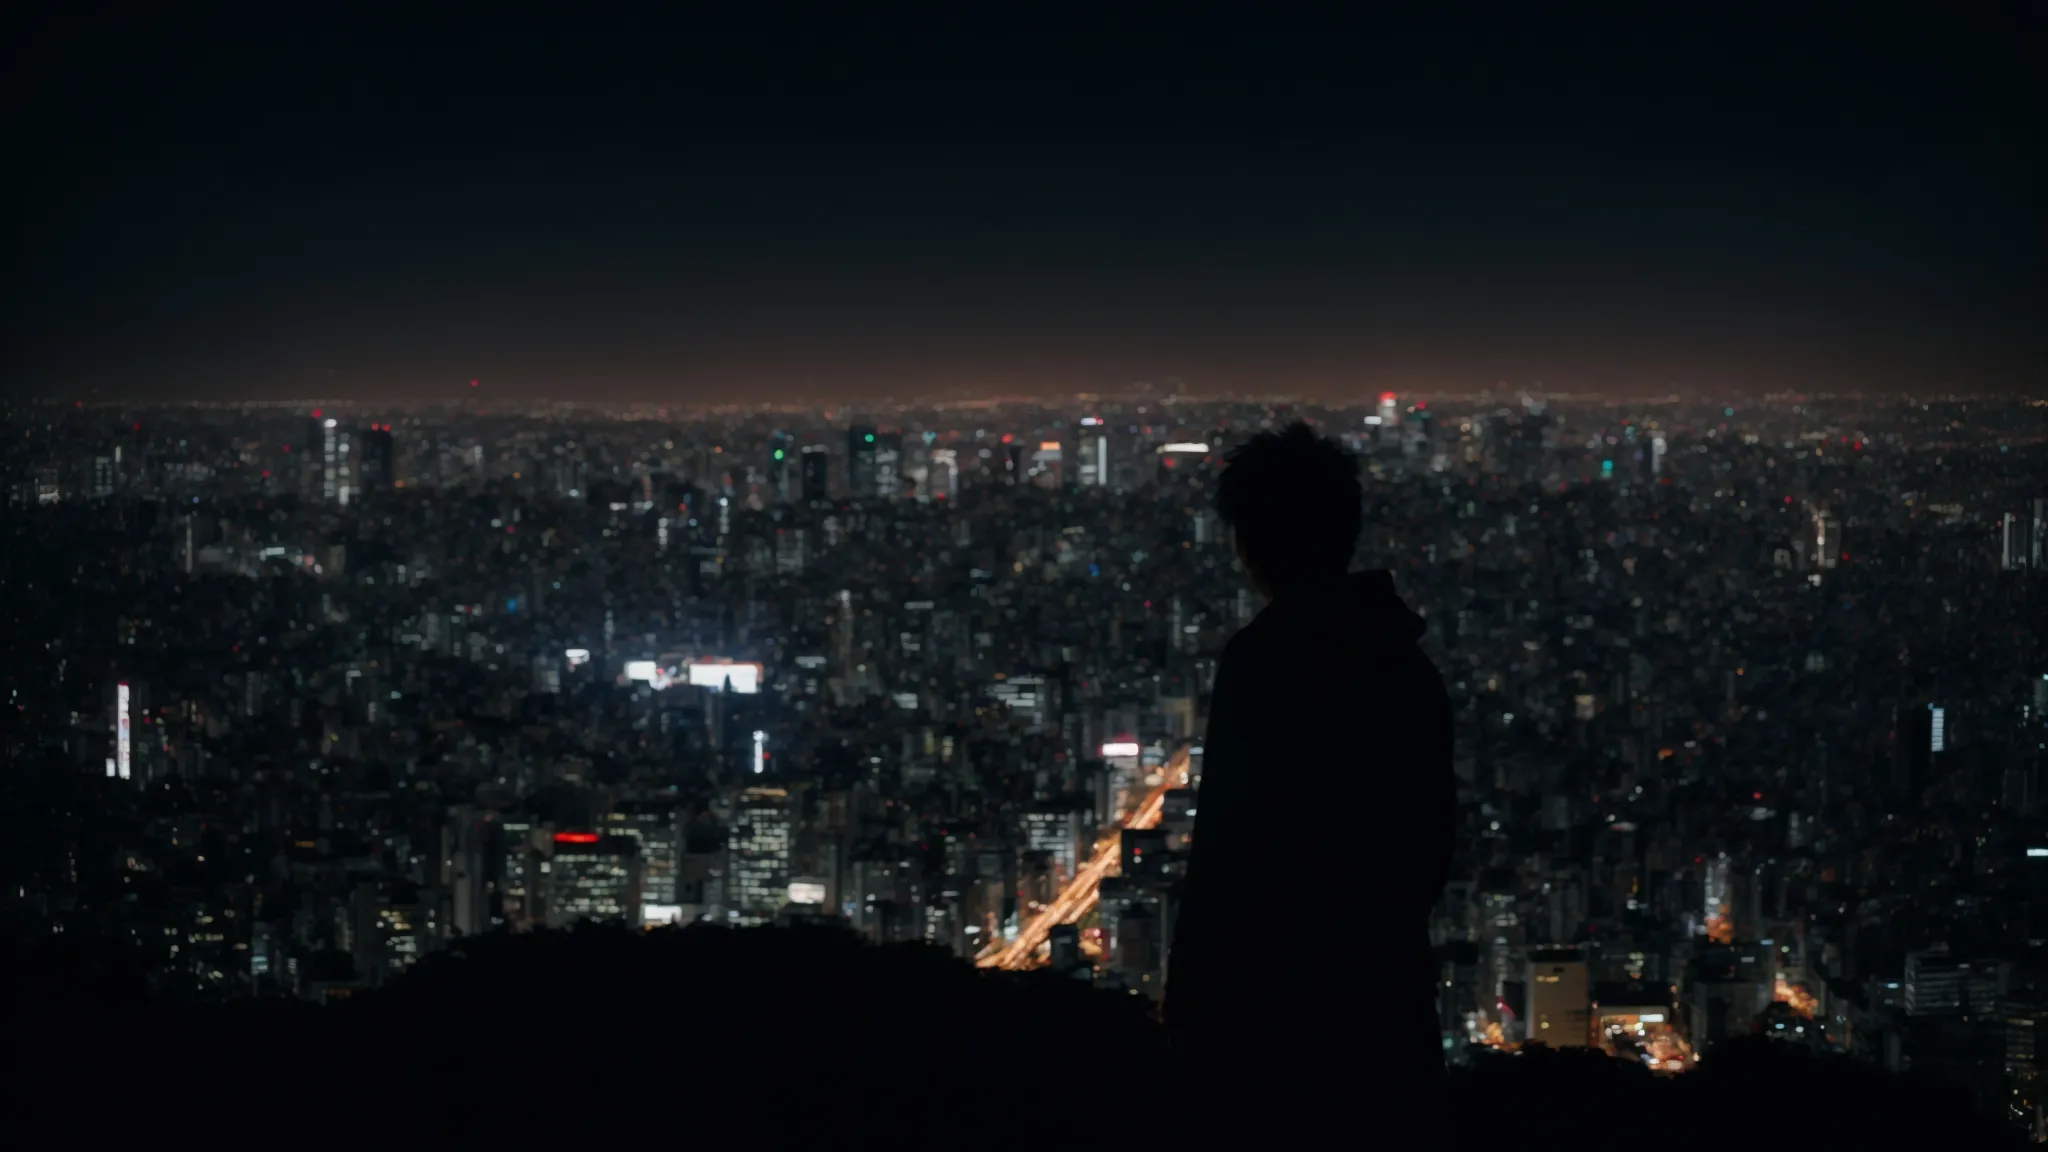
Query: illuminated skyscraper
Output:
(517,874)
(758,850)
(593,877)
(943,477)
(1094,470)
(329,457)
(2017,547)
(656,828)
(1827,540)
(1560,999)
(888,458)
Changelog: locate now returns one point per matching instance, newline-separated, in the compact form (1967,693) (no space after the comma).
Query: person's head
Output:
(1294,505)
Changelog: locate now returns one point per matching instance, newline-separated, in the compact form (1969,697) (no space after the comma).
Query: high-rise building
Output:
(860,461)
(817,472)
(888,465)
(1094,470)
(758,849)
(1560,999)
(380,461)
(465,866)
(943,476)
(330,456)
(1063,834)
(656,828)
(593,877)
(394,927)
(1827,540)
(2017,547)
(517,873)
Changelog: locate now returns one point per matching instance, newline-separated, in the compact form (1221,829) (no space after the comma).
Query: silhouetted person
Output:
(1300,987)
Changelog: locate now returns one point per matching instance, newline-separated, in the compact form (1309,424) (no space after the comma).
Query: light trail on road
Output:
(1078,898)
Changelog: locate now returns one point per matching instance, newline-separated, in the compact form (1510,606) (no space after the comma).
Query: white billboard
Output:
(122,761)
(1116,748)
(657,915)
(806,892)
(642,669)
(745,678)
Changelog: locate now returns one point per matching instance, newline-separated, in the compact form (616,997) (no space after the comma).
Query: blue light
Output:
(1095,569)
(512,604)
(1607,467)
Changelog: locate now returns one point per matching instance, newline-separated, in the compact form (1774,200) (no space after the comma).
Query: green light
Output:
(871,437)
(778,453)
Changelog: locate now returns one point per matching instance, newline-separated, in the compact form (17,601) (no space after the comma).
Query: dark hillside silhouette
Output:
(790,1038)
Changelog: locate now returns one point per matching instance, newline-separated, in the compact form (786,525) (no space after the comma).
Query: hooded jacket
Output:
(1322,836)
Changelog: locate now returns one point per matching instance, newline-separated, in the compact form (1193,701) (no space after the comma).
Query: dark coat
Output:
(1322,840)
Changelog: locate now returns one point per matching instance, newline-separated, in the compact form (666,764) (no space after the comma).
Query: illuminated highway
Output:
(1079,896)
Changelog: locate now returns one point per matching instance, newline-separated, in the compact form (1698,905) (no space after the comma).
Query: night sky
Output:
(789,206)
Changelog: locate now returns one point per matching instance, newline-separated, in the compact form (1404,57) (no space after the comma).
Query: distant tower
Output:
(817,472)
(2018,547)
(330,446)
(1094,471)
(380,462)
(944,482)
(1827,540)
(860,461)
(888,465)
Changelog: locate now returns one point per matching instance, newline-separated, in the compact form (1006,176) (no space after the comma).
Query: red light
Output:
(472,383)
(1388,397)
(1756,795)
(575,837)
(316,413)
(1006,437)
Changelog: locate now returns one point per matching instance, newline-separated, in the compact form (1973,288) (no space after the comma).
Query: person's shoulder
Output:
(1251,644)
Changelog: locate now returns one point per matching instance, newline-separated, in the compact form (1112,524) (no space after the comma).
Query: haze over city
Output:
(719,206)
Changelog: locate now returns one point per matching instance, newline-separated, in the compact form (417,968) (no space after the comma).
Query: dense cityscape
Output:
(1752,729)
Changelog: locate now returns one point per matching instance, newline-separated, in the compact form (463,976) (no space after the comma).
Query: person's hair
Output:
(1294,500)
